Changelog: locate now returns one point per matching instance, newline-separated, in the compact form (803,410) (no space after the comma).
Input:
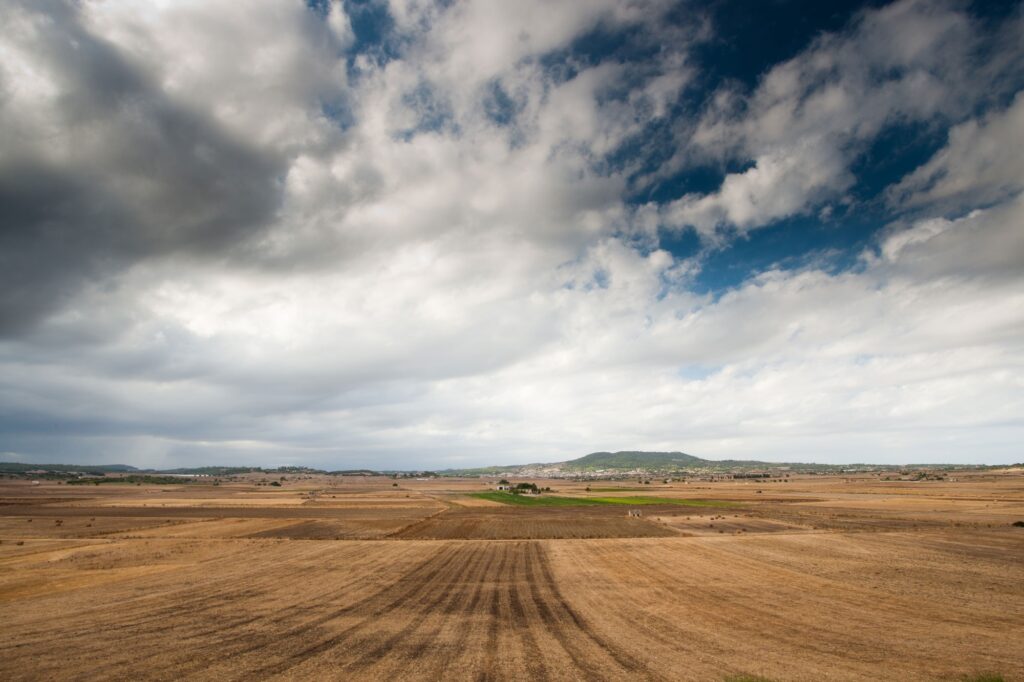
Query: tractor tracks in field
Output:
(472,608)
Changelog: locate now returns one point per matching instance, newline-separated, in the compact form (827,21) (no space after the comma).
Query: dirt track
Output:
(203,598)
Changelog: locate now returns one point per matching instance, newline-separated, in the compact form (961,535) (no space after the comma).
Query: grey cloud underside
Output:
(145,177)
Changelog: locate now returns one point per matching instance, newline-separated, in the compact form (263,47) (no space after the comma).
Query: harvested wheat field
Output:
(821,578)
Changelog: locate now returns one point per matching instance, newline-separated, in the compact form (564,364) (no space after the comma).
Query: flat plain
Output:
(815,577)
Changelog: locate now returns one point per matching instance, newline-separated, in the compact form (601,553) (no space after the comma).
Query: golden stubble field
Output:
(356,578)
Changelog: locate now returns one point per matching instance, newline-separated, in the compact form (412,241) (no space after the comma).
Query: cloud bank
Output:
(409,235)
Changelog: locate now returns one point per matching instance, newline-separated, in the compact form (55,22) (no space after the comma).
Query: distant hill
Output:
(207,471)
(634,459)
(624,460)
(652,462)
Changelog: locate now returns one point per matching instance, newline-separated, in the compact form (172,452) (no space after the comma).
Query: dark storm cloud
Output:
(141,176)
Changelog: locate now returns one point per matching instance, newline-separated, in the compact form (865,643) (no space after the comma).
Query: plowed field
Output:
(801,587)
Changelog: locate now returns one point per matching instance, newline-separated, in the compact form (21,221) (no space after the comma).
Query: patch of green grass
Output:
(555,501)
(984,677)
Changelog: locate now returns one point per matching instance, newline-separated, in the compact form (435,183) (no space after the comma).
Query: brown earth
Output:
(504,522)
(818,578)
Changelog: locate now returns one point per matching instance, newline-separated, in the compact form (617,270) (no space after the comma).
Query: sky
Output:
(414,235)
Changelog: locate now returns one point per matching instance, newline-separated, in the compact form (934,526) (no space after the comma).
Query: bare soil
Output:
(818,578)
(503,522)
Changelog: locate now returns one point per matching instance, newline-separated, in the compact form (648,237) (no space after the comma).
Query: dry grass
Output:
(819,578)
